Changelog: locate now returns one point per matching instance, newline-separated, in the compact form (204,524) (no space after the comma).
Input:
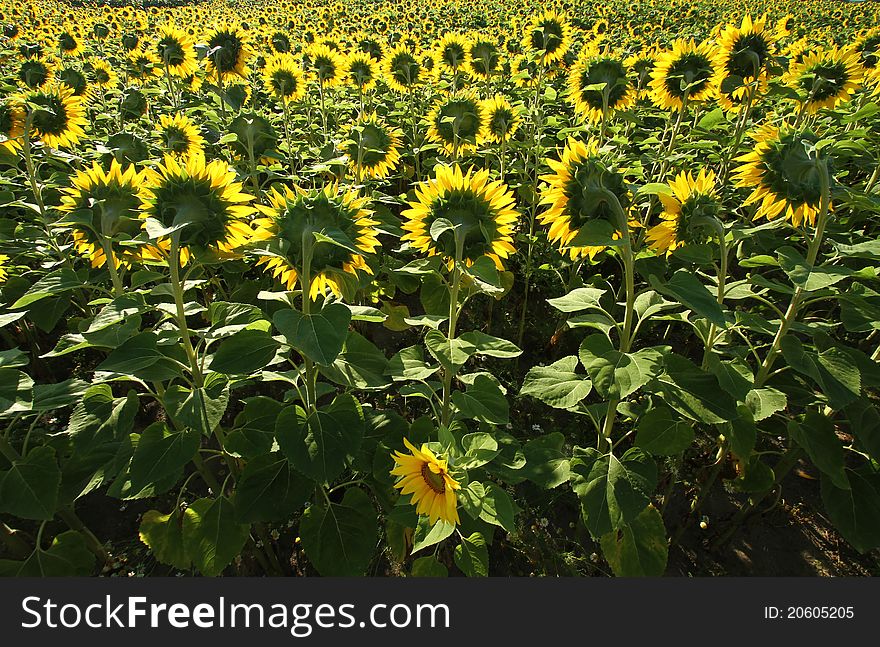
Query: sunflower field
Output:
(339,287)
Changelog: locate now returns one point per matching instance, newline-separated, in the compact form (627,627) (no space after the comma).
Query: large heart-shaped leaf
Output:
(340,538)
(639,549)
(616,374)
(270,490)
(245,352)
(557,385)
(319,336)
(29,489)
(211,536)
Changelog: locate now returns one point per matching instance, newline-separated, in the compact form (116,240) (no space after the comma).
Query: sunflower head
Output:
(868,48)
(502,119)
(598,85)
(426,477)
(548,36)
(254,135)
(457,122)
(179,136)
(200,203)
(288,231)
(684,72)
(284,77)
(484,57)
(403,69)
(228,51)
(175,50)
(37,73)
(11,126)
(690,213)
(744,52)
(826,77)
(478,214)
(58,116)
(583,188)
(104,204)
(784,174)
(325,64)
(373,147)
(452,53)
(360,71)
(524,70)
(104,75)
(4,263)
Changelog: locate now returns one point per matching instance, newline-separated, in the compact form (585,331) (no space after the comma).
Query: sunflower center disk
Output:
(432,480)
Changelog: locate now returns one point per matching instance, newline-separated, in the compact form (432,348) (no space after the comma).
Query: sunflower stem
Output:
(722,281)
(308,243)
(177,289)
(287,134)
(453,321)
(739,132)
(792,312)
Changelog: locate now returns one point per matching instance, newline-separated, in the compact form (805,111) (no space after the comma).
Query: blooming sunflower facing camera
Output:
(106,205)
(594,69)
(202,196)
(826,78)
(179,136)
(577,193)
(482,211)
(783,173)
(373,147)
(693,206)
(290,221)
(684,73)
(426,477)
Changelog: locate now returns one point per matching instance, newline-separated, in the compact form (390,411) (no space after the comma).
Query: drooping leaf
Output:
(211,536)
(639,548)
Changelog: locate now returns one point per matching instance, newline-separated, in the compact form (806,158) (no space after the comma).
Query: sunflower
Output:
(744,52)
(59,117)
(524,71)
(457,122)
(203,197)
(376,144)
(295,215)
(826,77)
(36,73)
(685,71)
(484,58)
(693,205)
(228,51)
(402,68)
(868,48)
(360,71)
(549,36)
(179,136)
(284,77)
(325,64)
(105,76)
(176,51)
(452,54)
(3,267)
(577,193)
(783,175)
(593,69)
(642,64)
(371,46)
(481,210)
(69,44)
(143,64)
(106,205)
(426,477)
(76,81)
(502,119)
(11,126)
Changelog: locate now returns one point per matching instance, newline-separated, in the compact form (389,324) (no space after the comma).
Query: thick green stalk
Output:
(177,289)
(453,321)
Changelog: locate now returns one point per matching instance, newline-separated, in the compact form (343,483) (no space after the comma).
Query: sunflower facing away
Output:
(3,271)
(373,147)
(452,54)
(110,201)
(175,49)
(549,36)
(687,70)
(60,117)
(179,136)
(37,73)
(744,51)
(426,477)
(576,194)
(482,210)
(457,123)
(295,215)
(782,174)
(502,119)
(484,58)
(325,65)
(592,69)
(11,126)
(205,198)
(868,48)
(228,51)
(284,77)
(826,77)
(402,68)
(360,71)
(686,213)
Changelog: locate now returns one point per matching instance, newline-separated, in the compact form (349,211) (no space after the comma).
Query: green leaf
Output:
(659,432)
(806,277)
(638,549)
(479,448)
(855,512)
(483,401)
(319,336)
(360,365)
(161,453)
(490,346)
(498,508)
(409,364)
(67,556)
(269,489)
(427,535)
(61,394)
(557,385)
(16,391)
(245,352)
(817,436)
(613,491)
(254,429)
(616,374)
(163,535)
(864,424)
(340,538)
(578,299)
(428,567)
(451,353)
(472,556)
(742,433)
(135,354)
(201,408)
(52,284)
(693,392)
(687,289)
(211,537)
(764,402)
(320,445)
(29,489)
(596,232)
(833,371)
(756,477)
(547,464)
